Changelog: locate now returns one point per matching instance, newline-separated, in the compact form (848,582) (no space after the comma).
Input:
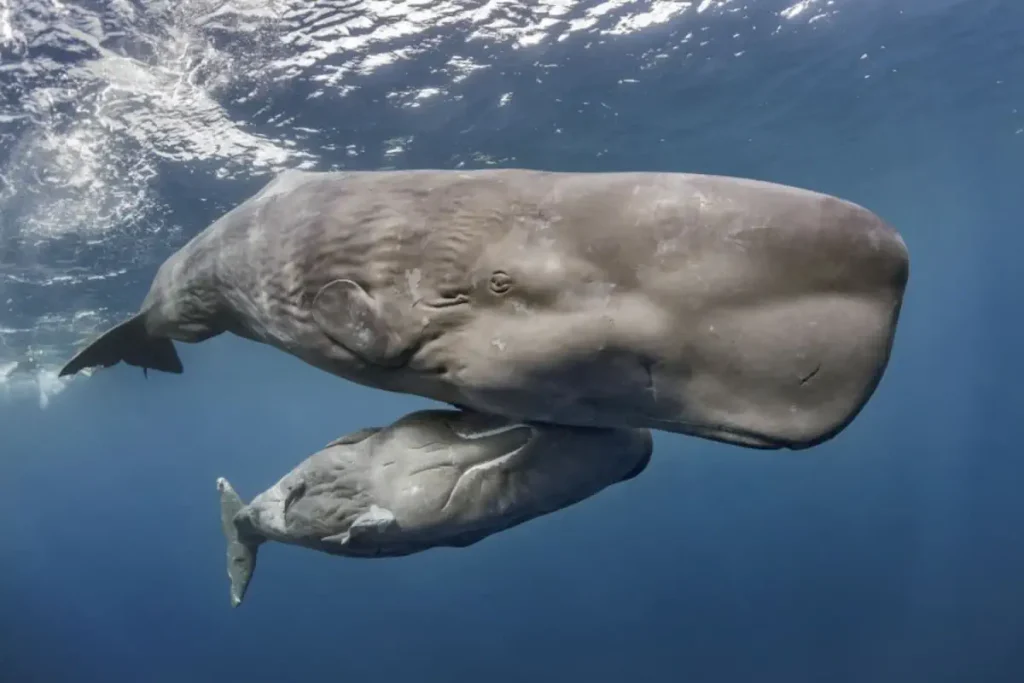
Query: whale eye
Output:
(293,495)
(500,282)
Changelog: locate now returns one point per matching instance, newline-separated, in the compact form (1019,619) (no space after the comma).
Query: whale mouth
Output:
(596,417)
(753,439)
(740,438)
(731,435)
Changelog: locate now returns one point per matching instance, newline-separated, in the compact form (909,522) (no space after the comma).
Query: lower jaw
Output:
(728,435)
(741,439)
(593,414)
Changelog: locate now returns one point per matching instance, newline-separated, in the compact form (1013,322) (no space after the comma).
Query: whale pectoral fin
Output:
(376,520)
(351,317)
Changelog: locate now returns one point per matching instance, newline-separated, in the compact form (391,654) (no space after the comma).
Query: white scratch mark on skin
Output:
(365,335)
(483,434)
(498,344)
(702,201)
(414,278)
(552,265)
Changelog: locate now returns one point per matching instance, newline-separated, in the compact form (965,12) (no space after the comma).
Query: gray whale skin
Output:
(433,478)
(730,309)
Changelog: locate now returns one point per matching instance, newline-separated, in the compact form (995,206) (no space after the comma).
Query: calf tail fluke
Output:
(241,552)
(128,342)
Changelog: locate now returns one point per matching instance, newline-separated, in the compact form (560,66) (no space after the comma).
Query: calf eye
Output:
(297,492)
(501,282)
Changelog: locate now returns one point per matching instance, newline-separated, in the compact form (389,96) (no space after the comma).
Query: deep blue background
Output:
(890,554)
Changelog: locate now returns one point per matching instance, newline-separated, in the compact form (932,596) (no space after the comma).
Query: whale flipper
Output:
(129,342)
(350,316)
(241,552)
(375,521)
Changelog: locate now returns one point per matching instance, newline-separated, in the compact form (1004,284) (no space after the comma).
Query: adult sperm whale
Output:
(731,309)
(434,478)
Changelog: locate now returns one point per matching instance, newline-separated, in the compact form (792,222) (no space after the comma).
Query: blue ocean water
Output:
(891,553)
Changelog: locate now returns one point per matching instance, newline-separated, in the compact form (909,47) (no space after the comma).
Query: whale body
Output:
(434,478)
(731,309)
